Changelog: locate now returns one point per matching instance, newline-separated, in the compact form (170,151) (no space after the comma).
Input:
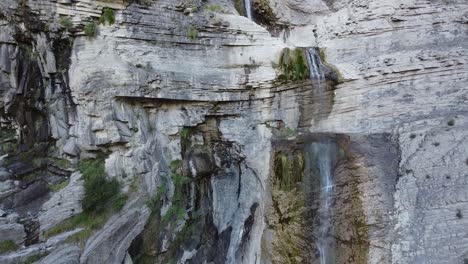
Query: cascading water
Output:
(315,64)
(248,8)
(320,157)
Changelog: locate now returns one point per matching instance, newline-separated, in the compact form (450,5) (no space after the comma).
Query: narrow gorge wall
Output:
(156,131)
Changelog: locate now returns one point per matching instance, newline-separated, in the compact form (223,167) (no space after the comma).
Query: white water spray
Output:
(323,155)
(248,8)
(315,64)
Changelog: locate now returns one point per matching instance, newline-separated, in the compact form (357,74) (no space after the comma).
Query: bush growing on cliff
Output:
(192,33)
(98,189)
(107,15)
(66,23)
(90,29)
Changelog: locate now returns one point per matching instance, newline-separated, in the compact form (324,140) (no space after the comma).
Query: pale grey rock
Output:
(12,231)
(6,188)
(140,81)
(110,244)
(66,254)
(63,204)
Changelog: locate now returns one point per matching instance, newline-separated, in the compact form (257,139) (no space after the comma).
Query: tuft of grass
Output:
(66,23)
(192,33)
(62,163)
(59,186)
(90,29)
(119,202)
(214,8)
(7,246)
(34,258)
(108,16)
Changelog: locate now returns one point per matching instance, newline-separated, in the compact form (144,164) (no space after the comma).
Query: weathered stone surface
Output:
(110,244)
(66,254)
(166,66)
(12,231)
(63,204)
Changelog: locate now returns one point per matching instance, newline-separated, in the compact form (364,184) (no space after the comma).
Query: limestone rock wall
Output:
(185,100)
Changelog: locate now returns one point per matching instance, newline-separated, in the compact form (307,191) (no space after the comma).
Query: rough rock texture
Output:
(63,204)
(184,100)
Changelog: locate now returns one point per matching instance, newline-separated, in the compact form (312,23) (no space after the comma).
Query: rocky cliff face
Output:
(156,131)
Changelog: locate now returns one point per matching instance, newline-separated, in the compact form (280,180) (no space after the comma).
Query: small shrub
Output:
(7,246)
(185,133)
(90,29)
(120,201)
(451,122)
(214,8)
(412,136)
(192,33)
(98,189)
(107,15)
(66,23)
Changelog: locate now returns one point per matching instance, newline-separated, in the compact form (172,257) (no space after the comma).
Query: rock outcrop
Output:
(194,145)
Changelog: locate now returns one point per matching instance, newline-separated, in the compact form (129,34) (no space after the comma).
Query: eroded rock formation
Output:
(161,131)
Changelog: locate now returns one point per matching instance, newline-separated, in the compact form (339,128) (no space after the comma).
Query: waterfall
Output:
(320,158)
(315,64)
(248,8)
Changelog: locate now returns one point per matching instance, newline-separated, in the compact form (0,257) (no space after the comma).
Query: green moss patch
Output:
(7,246)
(293,65)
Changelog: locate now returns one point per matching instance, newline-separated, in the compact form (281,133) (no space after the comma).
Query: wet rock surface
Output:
(186,102)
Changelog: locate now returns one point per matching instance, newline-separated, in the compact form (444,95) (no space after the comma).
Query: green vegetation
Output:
(239,5)
(98,189)
(214,8)
(107,15)
(34,258)
(7,246)
(146,2)
(177,210)
(102,198)
(88,221)
(90,29)
(192,33)
(287,132)
(8,142)
(289,170)
(293,65)
(62,163)
(119,202)
(66,23)
(59,186)
(185,133)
